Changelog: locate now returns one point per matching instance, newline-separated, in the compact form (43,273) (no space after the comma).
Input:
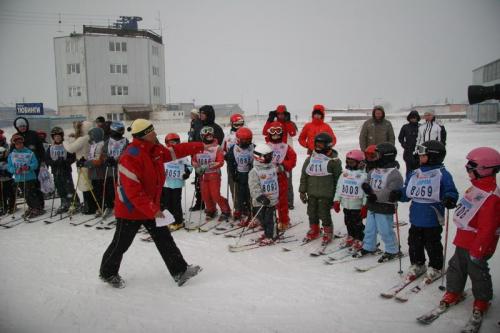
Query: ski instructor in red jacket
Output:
(137,202)
(313,128)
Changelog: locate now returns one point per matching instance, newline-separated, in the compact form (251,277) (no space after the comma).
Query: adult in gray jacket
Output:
(376,130)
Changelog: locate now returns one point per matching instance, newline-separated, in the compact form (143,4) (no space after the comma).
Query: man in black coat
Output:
(408,139)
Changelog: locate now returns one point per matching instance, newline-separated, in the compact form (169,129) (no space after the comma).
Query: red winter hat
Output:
(320,108)
(281,108)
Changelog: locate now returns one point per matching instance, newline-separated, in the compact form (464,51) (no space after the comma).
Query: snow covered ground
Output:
(48,280)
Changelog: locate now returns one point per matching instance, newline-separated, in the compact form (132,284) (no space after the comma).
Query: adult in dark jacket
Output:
(408,139)
(196,125)
(207,118)
(376,130)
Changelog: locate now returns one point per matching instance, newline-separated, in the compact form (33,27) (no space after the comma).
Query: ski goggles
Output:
(239,123)
(471,166)
(207,131)
(421,150)
(275,131)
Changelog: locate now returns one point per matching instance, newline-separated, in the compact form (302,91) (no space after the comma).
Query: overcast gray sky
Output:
(299,53)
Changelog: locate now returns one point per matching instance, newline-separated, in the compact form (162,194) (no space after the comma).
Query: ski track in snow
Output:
(49,280)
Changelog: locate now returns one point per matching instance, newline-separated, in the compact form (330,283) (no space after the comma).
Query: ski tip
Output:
(386,296)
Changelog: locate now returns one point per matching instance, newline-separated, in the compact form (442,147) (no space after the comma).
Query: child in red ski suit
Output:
(285,159)
(207,165)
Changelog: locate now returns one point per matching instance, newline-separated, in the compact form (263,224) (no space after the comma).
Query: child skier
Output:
(6,183)
(382,179)
(237,121)
(477,218)
(239,162)
(95,164)
(22,163)
(60,160)
(207,165)
(264,189)
(112,149)
(285,159)
(176,173)
(430,189)
(320,173)
(350,195)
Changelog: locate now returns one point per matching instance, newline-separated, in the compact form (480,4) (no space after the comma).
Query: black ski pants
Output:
(171,199)
(426,239)
(354,223)
(123,238)
(266,216)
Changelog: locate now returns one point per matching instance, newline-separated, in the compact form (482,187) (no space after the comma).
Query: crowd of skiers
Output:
(259,181)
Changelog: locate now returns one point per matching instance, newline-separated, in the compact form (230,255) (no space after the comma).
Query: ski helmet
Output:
(16,137)
(483,161)
(263,153)
(42,135)
(118,127)
(325,140)
(207,134)
(244,137)
(172,137)
(356,155)
(281,108)
(435,150)
(237,121)
(275,130)
(386,154)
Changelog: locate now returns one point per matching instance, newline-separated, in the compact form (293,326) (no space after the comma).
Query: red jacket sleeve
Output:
(181,150)
(266,127)
(219,159)
(488,222)
(130,180)
(303,136)
(328,129)
(290,128)
(290,159)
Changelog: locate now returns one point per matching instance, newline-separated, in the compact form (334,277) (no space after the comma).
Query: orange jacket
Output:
(311,129)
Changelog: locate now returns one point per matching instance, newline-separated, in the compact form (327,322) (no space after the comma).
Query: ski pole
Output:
(24,195)
(52,206)
(247,226)
(104,190)
(442,287)
(399,238)
(85,177)
(73,201)
(192,201)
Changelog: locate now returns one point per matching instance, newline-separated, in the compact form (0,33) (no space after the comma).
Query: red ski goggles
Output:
(275,131)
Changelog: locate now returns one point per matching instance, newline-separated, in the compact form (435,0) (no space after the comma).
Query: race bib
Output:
(424,187)
(208,156)
(174,170)
(378,179)
(20,159)
(350,187)
(57,151)
(243,157)
(115,148)
(318,165)
(469,205)
(230,140)
(269,183)
(279,152)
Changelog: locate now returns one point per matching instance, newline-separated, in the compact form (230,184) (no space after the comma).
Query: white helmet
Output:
(263,153)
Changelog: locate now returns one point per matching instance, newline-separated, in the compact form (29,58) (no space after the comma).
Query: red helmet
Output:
(41,134)
(371,153)
(172,136)
(275,128)
(281,108)
(244,133)
(484,161)
(356,155)
(237,119)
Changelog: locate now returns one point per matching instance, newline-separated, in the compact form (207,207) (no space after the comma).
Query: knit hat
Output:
(140,128)
(20,122)
(281,108)
(195,111)
(16,137)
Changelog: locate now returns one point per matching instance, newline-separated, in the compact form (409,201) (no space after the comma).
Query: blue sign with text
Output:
(29,109)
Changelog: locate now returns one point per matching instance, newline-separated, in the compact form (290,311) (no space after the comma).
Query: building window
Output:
(117,46)
(119,90)
(109,116)
(156,71)
(111,68)
(73,68)
(122,69)
(121,116)
(74,91)
(154,50)
(156,91)
(118,68)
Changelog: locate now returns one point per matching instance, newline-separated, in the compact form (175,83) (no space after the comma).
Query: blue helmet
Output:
(117,126)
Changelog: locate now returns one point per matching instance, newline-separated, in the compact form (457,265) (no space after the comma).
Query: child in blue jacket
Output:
(431,189)
(22,163)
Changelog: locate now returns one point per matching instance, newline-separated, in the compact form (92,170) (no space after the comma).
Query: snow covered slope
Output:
(49,276)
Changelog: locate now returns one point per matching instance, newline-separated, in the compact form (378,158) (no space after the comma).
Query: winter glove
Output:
(81,162)
(200,170)
(25,168)
(262,199)
(367,188)
(280,168)
(364,212)
(449,202)
(187,173)
(395,195)
(272,115)
(110,162)
(336,206)
(476,260)
(303,197)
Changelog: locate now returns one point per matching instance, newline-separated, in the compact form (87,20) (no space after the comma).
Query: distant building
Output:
(487,111)
(441,108)
(115,72)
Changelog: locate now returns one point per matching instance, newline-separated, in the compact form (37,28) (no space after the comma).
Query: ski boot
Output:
(188,273)
(197,206)
(388,256)
(266,241)
(224,217)
(237,215)
(415,271)
(115,281)
(61,210)
(209,216)
(348,241)
(362,253)
(432,274)
(313,233)
(450,298)
(255,223)
(357,245)
(175,226)
(327,235)
(35,212)
(27,213)
(107,213)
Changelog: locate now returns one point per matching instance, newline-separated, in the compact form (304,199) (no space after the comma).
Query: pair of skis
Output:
(280,238)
